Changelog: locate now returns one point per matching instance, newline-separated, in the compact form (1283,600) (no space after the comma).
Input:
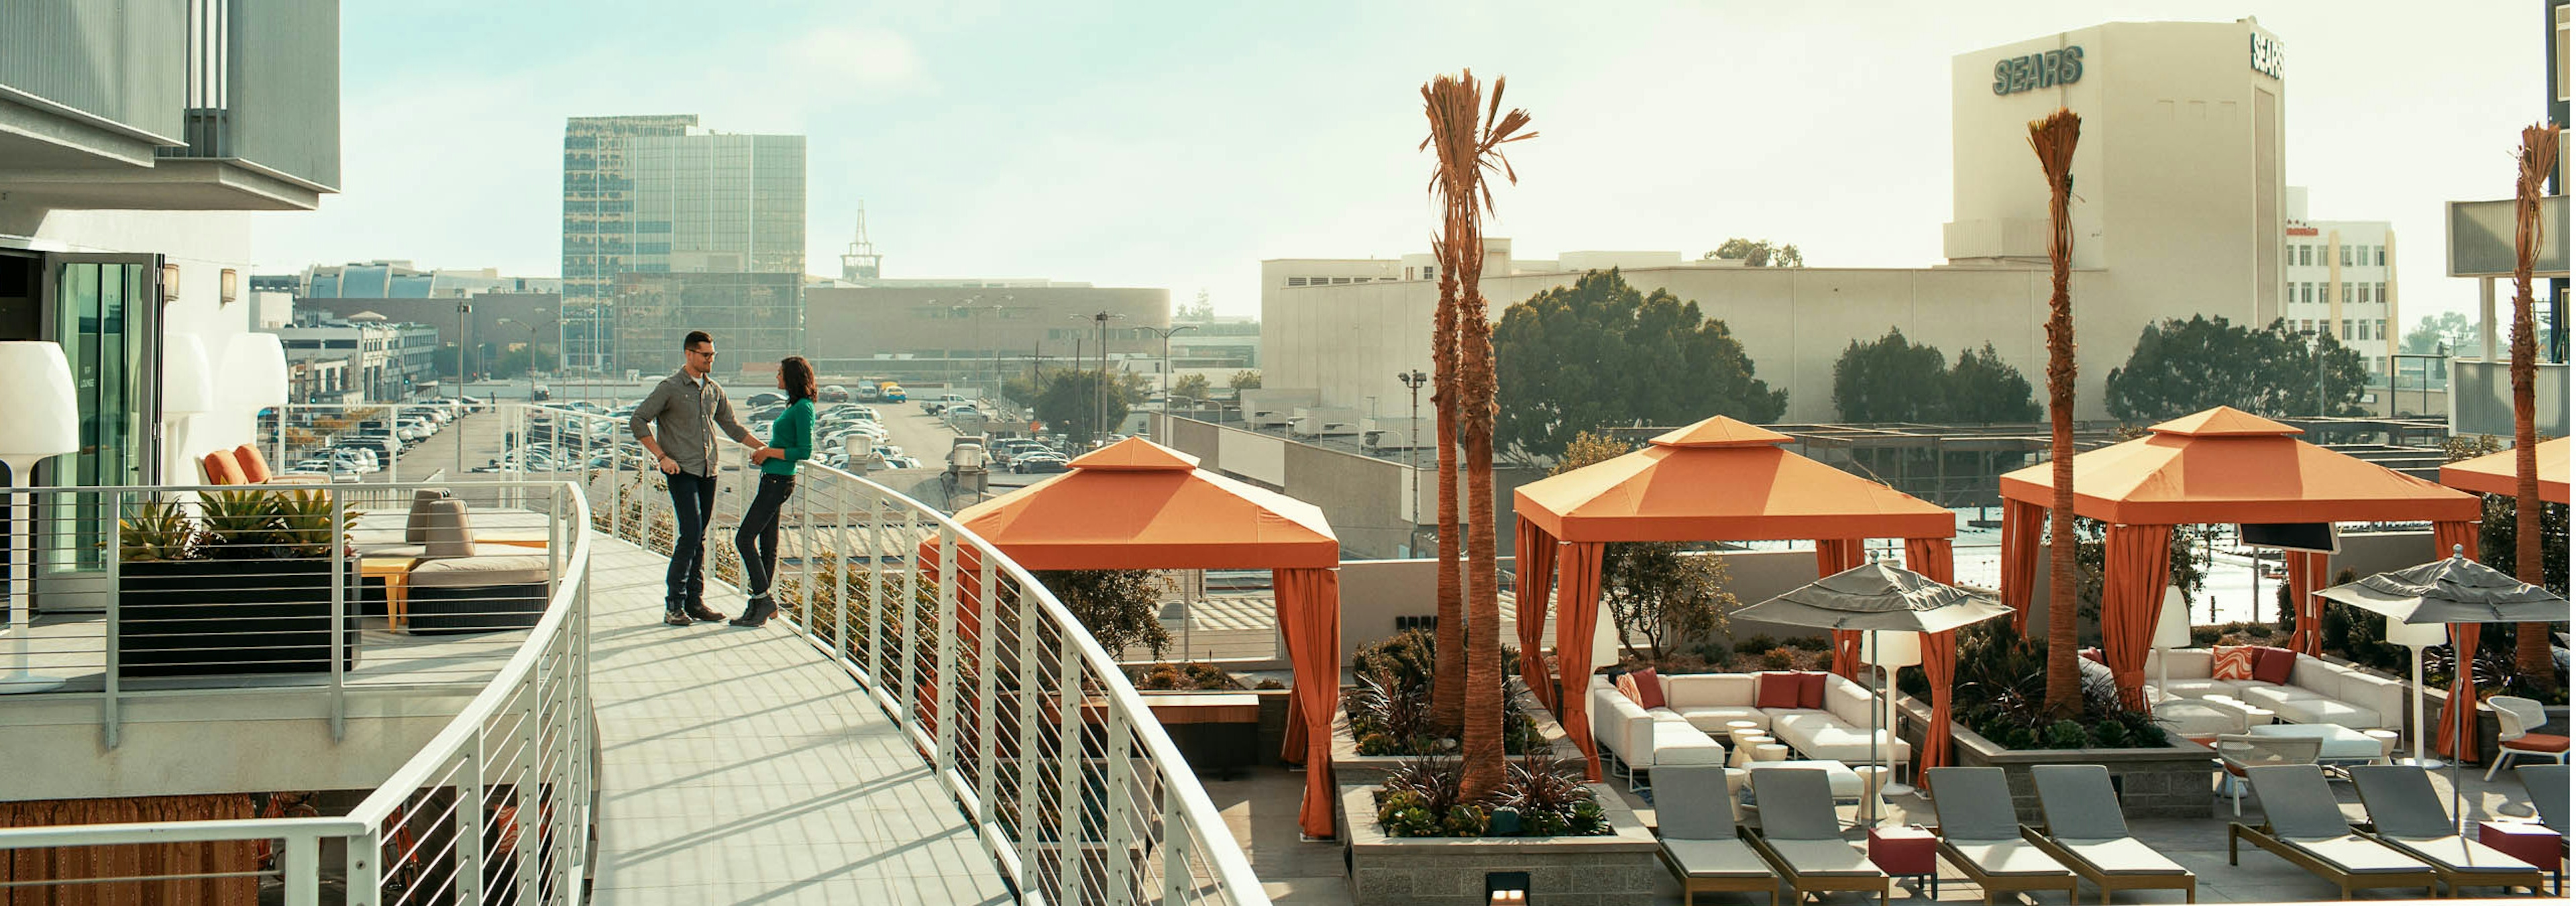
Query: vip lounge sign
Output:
(2014,75)
(2265,54)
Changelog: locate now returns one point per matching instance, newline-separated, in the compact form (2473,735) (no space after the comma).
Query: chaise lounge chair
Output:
(2407,814)
(1802,838)
(1979,836)
(2547,784)
(2084,830)
(1700,840)
(2304,825)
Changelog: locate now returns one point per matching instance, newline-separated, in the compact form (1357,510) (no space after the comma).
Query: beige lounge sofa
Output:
(1706,702)
(2319,692)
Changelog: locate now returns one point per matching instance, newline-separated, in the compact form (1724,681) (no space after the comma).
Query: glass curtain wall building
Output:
(653,194)
(756,319)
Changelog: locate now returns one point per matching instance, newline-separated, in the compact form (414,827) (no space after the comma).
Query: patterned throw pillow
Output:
(1628,687)
(2231,662)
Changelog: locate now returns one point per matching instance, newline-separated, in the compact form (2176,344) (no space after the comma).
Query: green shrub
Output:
(1782,658)
(2066,734)
(1756,645)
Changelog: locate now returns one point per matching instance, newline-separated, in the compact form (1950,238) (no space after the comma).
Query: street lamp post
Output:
(464,340)
(1414,381)
(1165,334)
(1100,404)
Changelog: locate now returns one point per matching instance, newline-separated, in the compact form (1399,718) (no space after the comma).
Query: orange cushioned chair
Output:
(254,467)
(222,468)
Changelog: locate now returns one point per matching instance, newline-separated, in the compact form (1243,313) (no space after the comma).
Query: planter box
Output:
(1350,765)
(1620,867)
(1217,732)
(190,617)
(2171,781)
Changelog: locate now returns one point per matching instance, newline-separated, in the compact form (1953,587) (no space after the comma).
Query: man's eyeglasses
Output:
(709,353)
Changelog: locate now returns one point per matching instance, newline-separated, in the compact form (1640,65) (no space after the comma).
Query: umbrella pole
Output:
(1869,797)
(2461,742)
(1893,785)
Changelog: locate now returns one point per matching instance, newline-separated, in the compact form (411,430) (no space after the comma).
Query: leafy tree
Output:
(1984,390)
(1121,607)
(1068,400)
(1757,254)
(1190,386)
(1245,380)
(1891,380)
(1663,594)
(1588,448)
(1201,310)
(2181,367)
(2450,327)
(1600,353)
(2535,161)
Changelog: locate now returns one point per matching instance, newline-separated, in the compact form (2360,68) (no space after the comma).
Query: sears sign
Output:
(2014,75)
(2265,53)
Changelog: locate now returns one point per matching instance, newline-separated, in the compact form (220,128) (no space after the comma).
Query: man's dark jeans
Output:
(693,503)
(758,537)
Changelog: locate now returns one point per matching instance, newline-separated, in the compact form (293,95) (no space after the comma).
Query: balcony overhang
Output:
(168,184)
(35,133)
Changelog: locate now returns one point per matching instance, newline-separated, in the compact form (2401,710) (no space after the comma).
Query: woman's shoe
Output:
(754,613)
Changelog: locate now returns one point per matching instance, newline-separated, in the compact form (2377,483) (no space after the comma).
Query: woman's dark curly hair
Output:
(797,376)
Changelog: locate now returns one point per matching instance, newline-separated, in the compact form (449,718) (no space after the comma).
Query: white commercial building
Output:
(2179,209)
(2342,281)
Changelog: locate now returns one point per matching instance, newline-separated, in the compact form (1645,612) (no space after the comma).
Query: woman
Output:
(791,440)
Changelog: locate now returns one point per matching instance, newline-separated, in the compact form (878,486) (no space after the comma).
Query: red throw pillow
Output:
(2094,655)
(2231,662)
(1775,690)
(1650,691)
(1811,691)
(2272,665)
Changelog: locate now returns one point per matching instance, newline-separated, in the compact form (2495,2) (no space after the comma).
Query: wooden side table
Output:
(2530,842)
(396,571)
(1905,852)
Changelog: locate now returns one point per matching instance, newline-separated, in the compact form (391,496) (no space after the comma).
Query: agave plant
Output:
(158,529)
(304,523)
(240,525)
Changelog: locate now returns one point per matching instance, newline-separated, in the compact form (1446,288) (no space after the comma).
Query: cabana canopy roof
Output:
(2493,473)
(1722,480)
(1136,504)
(2225,465)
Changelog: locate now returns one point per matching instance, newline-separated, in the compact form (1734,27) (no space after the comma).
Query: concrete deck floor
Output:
(739,766)
(1261,810)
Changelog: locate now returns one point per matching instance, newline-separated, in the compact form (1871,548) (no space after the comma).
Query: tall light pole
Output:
(464,340)
(1165,333)
(1100,404)
(1414,381)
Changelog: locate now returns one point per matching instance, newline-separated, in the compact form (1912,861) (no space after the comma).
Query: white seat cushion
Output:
(2460,853)
(1716,858)
(1714,719)
(1677,742)
(2122,856)
(2008,857)
(2328,711)
(2195,688)
(1824,857)
(2358,855)
(2269,696)
(1819,735)
(2194,718)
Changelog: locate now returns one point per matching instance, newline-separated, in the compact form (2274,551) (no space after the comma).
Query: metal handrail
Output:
(559,638)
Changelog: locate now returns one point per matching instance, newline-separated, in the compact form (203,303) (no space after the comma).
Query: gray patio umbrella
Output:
(1877,597)
(2454,589)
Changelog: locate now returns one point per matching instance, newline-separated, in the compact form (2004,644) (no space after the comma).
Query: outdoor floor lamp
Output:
(1888,650)
(39,419)
(2417,637)
(2173,630)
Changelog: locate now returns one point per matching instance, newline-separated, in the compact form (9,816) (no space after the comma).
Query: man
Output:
(684,411)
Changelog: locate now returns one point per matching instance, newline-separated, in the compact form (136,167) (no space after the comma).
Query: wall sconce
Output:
(232,286)
(169,283)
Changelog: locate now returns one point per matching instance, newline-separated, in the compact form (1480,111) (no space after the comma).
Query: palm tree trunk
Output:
(2539,155)
(1449,634)
(1481,742)
(2054,140)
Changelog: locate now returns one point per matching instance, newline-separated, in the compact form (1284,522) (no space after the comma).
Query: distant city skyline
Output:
(1208,139)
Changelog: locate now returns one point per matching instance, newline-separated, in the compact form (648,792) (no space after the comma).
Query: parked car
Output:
(832,393)
(765,398)
(867,391)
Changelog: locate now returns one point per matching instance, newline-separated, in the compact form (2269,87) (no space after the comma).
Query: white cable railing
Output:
(1067,779)
(494,808)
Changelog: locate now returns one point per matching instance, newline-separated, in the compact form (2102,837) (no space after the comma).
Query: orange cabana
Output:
(1136,504)
(1718,480)
(2493,473)
(2222,465)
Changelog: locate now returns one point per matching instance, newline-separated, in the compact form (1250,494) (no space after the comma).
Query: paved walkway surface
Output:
(739,766)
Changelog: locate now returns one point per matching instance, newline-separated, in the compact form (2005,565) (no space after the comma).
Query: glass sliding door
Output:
(105,311)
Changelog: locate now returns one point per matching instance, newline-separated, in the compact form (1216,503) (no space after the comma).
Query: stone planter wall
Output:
(2174,781)
(1352,767)
(1618,868)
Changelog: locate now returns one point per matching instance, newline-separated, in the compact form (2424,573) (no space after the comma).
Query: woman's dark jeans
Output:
(758,537)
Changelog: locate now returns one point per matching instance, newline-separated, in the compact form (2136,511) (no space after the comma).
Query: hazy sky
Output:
(1178,144)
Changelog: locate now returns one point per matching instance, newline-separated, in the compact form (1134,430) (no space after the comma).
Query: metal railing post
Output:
(806,551)
(1069,757)
(910,615)
(988,754)
(338,542)
(110,703)
(1113,787)
(841,572)
(1024,831)
(469,823)
(947,671)
(876,592)
(530,802)
(365,866)
(299,864)
(1177,879)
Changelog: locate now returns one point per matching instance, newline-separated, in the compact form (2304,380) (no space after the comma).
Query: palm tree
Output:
(1449,633)
(2053,139)
(2539,156)
(1468,148)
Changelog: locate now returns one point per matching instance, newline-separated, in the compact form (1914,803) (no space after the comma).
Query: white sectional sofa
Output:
(1643,738)
(2319,692)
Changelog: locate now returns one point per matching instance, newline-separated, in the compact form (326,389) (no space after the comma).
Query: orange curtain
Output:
(1534,555)
(2307,575)
(1578,608)
(1931,557)
(1834,555)
(72,863)
(2134,572)
(1310,603)
(2022,522)
(2458,733)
